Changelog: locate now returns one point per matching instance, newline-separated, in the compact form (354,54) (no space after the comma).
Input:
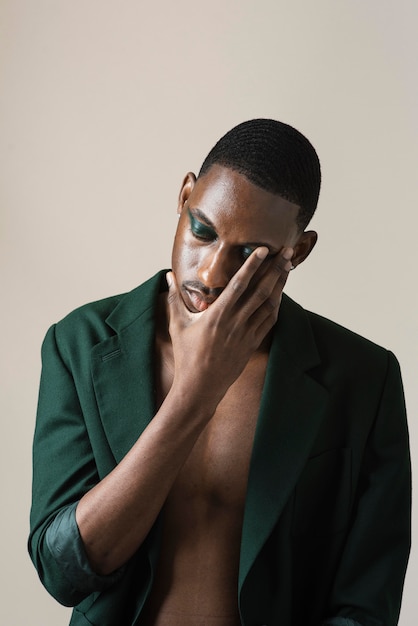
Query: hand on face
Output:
(211,348)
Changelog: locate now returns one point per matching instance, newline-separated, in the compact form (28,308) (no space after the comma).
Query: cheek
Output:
(185,253)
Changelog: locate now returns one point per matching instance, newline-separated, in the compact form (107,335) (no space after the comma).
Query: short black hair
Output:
(275,157)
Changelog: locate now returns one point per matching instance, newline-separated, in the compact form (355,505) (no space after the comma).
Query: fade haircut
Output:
(275,157)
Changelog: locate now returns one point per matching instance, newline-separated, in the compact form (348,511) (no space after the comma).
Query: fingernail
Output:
(287,253)
(262,252)
(169,279)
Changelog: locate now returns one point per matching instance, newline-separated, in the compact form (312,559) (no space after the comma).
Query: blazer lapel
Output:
(291,410)
(123,369)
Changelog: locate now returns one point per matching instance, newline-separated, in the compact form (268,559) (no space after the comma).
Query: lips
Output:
(199,301)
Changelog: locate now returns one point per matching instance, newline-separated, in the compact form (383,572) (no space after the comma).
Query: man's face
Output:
(223,217)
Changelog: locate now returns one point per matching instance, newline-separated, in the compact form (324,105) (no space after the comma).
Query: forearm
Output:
(116,515)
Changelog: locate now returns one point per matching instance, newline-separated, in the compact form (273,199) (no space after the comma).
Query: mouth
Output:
(198,301)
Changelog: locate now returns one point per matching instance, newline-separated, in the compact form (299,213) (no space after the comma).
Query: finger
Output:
(242,278)
(269,308)
(266,325)
(267,285)
(265,317)
(281,262)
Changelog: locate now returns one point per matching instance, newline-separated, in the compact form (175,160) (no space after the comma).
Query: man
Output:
(206,451)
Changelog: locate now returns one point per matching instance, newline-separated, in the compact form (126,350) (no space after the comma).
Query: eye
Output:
(246,251)
(201,230)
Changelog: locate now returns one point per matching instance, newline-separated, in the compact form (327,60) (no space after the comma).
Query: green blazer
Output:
(326,529)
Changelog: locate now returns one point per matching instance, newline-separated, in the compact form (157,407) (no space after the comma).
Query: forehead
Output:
(229,199)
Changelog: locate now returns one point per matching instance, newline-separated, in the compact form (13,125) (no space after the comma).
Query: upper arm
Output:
(368,585)
(63,463)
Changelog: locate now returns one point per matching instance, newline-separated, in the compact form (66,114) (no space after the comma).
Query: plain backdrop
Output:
(105,105)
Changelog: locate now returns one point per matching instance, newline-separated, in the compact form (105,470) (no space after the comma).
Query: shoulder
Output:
(340,348)
(92,316)
(328,331)
(91,323)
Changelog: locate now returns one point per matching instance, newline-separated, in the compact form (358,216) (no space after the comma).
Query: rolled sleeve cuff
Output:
(65,544)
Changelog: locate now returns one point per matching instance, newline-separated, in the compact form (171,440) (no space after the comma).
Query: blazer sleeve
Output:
(63,467)
(369,582)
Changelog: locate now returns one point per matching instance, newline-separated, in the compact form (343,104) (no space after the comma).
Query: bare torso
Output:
(196,580)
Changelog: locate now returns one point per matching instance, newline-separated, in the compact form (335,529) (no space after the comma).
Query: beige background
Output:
(104,106)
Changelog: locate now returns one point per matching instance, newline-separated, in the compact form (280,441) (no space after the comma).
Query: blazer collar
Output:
(123,367)
(132,306)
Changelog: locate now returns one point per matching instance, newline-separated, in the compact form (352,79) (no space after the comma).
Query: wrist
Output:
(190,400)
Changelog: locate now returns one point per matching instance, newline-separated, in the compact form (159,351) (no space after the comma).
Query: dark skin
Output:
(234,247)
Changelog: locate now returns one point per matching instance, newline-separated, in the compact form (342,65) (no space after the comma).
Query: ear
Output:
(185,191)
(304,246)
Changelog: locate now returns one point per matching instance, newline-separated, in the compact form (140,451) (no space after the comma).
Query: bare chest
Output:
(217,467)
(197,574)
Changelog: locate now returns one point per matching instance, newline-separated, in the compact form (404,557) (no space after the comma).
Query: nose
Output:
(216,269)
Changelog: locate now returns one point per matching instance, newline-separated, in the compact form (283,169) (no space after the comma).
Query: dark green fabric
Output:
(327,519)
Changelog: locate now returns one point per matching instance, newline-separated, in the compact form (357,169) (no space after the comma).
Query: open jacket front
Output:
(326,528)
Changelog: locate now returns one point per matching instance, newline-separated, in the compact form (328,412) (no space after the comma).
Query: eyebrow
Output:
(198,213)
(194,212)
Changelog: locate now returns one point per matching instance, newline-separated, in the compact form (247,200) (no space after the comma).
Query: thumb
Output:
(169,279)
(173,296)
(178,311)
